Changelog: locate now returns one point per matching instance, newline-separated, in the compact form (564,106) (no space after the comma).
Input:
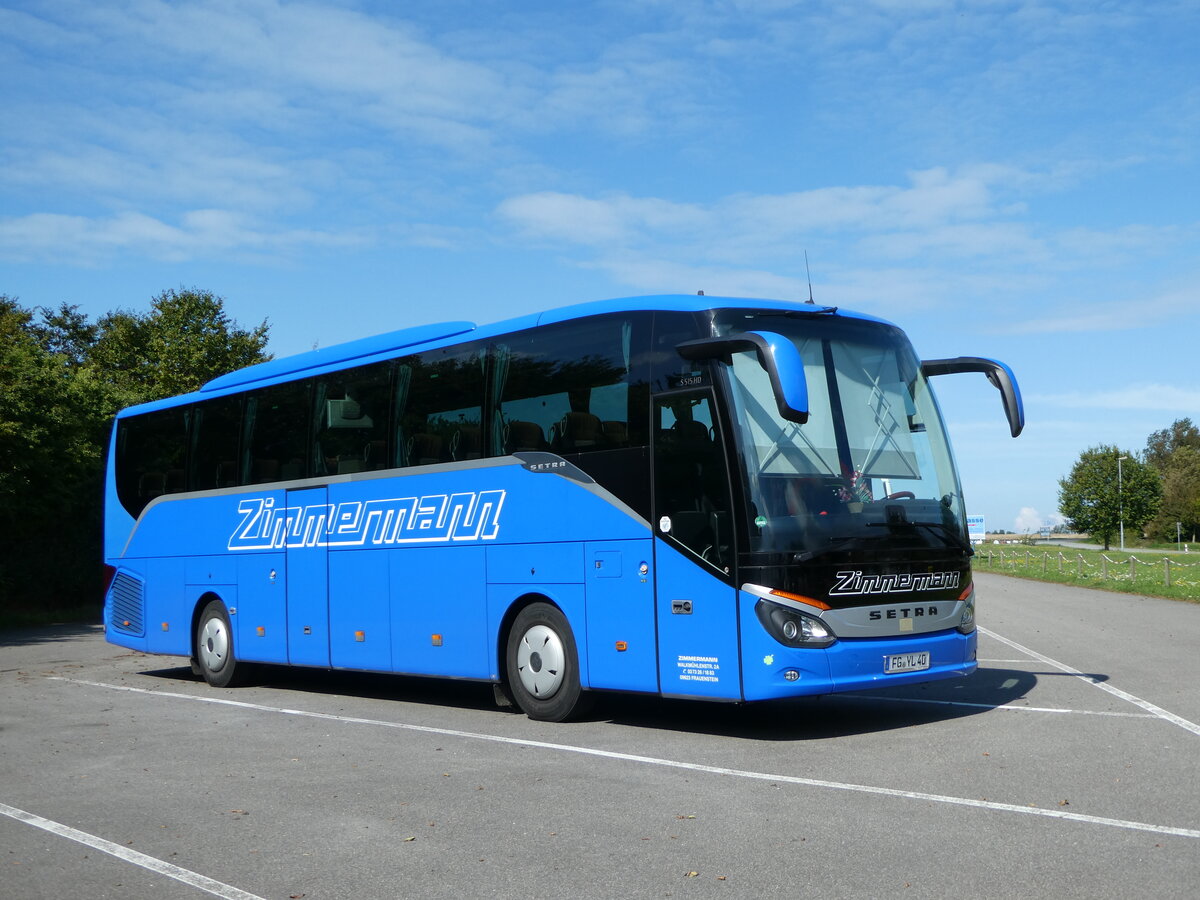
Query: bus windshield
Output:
(871,468)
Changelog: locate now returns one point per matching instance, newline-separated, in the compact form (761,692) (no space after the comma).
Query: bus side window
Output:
(691,483)
(276,434)
(350,422)
(439,406)
(216,430)
(151,456)
(566,388)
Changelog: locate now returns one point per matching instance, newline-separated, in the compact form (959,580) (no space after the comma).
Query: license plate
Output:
(906,662)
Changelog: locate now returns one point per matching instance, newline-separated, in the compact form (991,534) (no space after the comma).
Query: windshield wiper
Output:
(834,544)
(939,528)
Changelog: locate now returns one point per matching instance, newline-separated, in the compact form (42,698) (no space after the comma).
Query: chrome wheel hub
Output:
(541,661)
(214,644)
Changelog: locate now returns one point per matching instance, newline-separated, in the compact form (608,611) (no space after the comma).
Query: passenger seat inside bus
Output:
(519,435)
(579,431)
(424,449)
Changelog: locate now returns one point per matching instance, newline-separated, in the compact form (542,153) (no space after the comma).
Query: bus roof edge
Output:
(339,353)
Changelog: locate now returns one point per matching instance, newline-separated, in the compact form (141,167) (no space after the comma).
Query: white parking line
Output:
(998,706)
(1156,711)
(188,877)
(1007,662)
(665,763)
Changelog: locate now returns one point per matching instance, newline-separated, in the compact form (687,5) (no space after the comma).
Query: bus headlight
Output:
(792,627)
(966,622)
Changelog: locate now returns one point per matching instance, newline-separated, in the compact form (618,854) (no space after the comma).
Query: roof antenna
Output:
(809,274)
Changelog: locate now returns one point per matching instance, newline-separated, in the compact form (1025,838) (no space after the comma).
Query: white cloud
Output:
(1171,304)
(86,240)
(933,200)
(666,276)
(1029,520)
(1136,397)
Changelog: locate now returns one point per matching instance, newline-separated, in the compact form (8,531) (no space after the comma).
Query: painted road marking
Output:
(1002,706)
(664,763)
(1156,711)
(188,877)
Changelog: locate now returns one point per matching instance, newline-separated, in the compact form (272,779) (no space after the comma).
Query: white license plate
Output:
(906,662)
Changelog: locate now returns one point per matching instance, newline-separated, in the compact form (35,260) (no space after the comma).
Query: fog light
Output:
(791,675)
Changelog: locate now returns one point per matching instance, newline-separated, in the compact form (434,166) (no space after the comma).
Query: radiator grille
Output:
(127,603)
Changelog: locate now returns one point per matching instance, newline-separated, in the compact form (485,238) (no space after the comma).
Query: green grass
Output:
(1109,571)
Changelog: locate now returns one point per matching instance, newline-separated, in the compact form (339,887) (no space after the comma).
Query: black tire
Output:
(214,653)
(542,664)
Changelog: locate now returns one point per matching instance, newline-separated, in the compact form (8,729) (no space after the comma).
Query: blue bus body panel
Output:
(620,629)
(858,664)
(395,573)
(307,568)
(169,633)
(259,617)
(697,629)
(439,610)
(849,665)
(360,605)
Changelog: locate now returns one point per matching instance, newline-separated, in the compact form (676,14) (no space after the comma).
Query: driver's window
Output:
(691,485)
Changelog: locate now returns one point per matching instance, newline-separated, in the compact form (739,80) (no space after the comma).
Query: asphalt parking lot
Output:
(1068,766)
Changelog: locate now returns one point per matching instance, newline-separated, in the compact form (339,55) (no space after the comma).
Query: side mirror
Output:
(998,374)
(776,354)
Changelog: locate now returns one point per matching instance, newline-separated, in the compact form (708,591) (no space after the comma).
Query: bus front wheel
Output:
(214,648)
(542,664)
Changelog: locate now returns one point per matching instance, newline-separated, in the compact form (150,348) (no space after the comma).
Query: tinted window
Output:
(351,416)
(151,457)
(439,403)
(567,388)
(276,434)
(216,430)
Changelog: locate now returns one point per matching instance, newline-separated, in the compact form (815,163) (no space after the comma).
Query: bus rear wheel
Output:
(214,648)
(543,665)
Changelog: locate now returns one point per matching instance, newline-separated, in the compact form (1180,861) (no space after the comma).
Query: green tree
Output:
(1104,490)
(66,333)
(51,427)
(62,379)
(185,340)
(1181,496)
(1161,445)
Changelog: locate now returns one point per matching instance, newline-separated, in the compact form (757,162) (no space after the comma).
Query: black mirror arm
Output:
(1000,375)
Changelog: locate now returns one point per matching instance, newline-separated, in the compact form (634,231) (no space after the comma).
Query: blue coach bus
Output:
(690,496)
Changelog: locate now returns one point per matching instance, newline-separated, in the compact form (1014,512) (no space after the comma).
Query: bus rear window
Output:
(151,457)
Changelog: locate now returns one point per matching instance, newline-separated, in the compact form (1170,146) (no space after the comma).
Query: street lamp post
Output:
(1121,499)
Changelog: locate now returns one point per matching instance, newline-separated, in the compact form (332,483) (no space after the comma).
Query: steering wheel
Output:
(901,495)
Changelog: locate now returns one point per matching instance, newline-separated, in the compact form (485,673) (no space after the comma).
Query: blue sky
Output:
(1002,178)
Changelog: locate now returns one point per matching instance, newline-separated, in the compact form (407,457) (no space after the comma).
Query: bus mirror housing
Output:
(998,374)
(776,354)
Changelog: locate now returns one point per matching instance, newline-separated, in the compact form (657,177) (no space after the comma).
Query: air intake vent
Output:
(127,604)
